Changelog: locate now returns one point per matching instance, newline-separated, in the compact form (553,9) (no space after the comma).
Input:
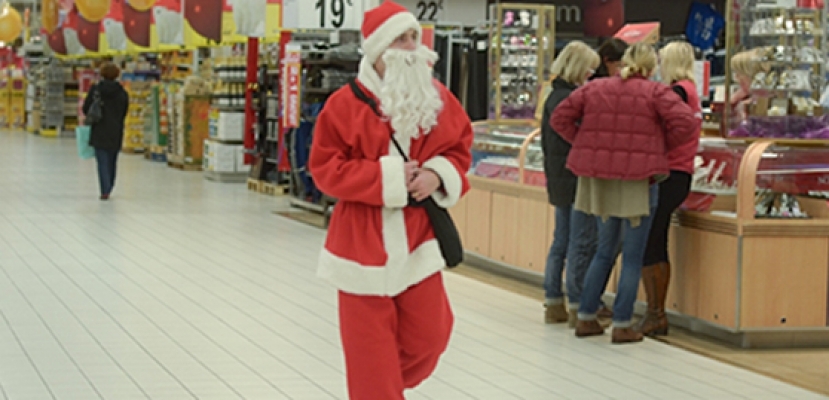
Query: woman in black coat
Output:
(574,238)
(107,135)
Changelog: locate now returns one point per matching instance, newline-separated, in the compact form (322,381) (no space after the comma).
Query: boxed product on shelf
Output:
(227,126)
(220,157)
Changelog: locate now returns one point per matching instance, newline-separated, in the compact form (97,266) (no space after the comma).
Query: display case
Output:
(522,43)
(505,221)
(750,247)
(775,90)
(509,152)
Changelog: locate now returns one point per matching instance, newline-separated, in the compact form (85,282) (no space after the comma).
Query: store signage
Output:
(704,25)
(323,14)
(291,74)
(429,10)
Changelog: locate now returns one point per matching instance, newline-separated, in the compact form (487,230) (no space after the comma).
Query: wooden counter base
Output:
(755,283)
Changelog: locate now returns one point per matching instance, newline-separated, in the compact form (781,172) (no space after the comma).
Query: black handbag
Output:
(446,233)
(96,110)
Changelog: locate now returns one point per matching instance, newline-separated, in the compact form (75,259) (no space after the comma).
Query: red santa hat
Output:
(383,24)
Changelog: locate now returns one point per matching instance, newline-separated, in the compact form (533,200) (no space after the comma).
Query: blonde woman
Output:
(745,66)
(620,128)
(574,238)
(677,68)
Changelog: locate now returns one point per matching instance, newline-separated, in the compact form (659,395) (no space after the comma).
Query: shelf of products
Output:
(12,99)
(325,69)
(781,55)
(522,43)
(229,75)
(139,86)
(191,124)
(156,123)
(52,84)
(36,61)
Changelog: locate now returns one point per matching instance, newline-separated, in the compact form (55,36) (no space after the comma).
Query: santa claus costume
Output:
(395,318)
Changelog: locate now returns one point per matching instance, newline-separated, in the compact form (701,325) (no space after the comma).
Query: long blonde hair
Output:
(677,62)
(639,59)
(749,63)
(574,62)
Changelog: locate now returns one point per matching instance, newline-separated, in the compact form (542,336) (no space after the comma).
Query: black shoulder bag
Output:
(444,228)
(96,109)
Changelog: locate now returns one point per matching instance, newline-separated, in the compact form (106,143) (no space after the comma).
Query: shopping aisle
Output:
(182,288)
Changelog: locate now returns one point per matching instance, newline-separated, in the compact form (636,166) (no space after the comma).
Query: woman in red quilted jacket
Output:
(621,129)
(677,70)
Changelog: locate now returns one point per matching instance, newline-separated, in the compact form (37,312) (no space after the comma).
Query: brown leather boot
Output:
(626,335)
(554,314)
(588,328)
(655,279)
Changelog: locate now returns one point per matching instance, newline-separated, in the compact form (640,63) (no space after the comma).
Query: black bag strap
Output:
(362,96)
(681,92)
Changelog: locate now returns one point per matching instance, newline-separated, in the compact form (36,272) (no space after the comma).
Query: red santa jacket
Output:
(375,244)
(623,128)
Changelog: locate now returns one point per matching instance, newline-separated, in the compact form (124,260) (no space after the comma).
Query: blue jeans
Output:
(107,163)
(611,234)
(574,241)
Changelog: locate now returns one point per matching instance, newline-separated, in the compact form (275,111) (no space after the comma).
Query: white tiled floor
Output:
(183,288)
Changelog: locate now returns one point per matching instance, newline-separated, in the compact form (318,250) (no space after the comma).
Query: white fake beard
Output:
(409,96)
(73,44)
(249,16)
(169,25)
(116,37)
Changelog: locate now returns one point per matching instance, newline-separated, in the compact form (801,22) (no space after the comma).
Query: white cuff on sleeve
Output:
(452,183)
(395,193)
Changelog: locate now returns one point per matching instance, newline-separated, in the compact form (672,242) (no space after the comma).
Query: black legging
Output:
(672,192)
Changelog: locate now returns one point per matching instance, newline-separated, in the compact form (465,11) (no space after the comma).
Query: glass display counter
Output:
(750,247)
(505,219)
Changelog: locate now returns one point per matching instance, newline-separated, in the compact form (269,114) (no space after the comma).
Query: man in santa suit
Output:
(395,318)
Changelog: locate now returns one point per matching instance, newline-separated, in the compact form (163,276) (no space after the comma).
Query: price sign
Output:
(323,14)
(425,10)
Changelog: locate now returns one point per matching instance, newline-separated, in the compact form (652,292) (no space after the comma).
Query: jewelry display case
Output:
(505,221)
(751,261)
(522,46)
(775,92)
(504,151)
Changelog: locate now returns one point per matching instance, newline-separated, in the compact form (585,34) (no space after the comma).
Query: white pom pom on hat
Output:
(382,25)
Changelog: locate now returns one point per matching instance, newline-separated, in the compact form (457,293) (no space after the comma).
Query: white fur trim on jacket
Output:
(388,280)
(385,34)
(395,193)
(369,77)
(452,184)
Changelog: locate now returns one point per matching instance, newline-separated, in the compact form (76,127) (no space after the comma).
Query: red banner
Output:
(137,21)
(205,17)
(291,74)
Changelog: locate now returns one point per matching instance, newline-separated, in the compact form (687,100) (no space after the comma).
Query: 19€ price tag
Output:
(322,14)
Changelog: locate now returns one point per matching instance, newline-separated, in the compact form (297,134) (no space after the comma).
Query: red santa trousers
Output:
(394,343)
